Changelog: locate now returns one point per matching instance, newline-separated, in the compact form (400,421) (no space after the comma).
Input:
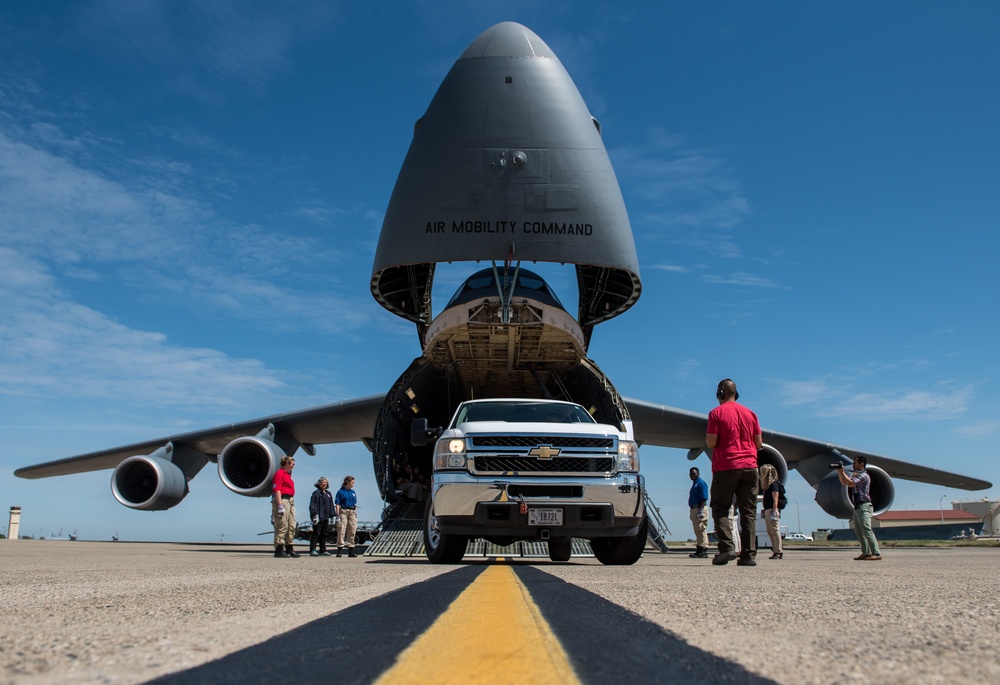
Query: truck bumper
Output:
(492,507)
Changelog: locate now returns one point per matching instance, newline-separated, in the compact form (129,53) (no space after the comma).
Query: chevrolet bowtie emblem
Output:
(543,452)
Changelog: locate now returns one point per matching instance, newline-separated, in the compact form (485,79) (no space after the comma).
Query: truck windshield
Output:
(523,412)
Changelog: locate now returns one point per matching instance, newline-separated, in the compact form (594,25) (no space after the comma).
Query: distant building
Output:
(925,524)
(917,524)
(987,510)
(925,517)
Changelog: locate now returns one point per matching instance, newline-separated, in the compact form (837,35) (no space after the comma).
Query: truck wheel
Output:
(441,548)
(560,549)
(621,551)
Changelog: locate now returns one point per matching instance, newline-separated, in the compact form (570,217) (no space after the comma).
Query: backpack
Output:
(782,500)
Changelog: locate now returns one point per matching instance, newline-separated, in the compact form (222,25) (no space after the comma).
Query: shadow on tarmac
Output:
(609,644)
(605,643)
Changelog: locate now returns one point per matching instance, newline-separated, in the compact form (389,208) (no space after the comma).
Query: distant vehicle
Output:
(798,536)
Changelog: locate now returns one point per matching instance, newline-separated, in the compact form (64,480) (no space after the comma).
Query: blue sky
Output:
(191,194)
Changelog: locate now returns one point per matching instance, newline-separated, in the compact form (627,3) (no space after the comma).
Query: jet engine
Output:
(769,455)
(247,465)
(148,482)
(835,500)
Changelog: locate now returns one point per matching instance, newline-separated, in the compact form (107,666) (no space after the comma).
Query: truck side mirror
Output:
(420,434)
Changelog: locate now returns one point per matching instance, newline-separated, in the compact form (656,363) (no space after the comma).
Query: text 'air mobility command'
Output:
(527,227)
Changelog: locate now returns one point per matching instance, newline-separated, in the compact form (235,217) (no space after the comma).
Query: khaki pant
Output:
(699,521)
(284,525)
(773,531)
(347,526)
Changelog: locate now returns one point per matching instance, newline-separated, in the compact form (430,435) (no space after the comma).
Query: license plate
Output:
(545,517)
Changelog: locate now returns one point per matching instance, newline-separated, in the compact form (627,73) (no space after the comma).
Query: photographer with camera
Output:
(859,485)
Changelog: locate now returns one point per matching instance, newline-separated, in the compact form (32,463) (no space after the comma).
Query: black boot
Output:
(340,552)
(350,552)
(291,552)
(279,553)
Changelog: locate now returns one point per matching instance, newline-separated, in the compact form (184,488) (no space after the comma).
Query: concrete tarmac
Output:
(92,612)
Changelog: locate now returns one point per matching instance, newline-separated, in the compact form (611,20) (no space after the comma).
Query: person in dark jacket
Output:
(321,512)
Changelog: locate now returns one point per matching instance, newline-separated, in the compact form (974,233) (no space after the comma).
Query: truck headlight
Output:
(450,454)
(628,455)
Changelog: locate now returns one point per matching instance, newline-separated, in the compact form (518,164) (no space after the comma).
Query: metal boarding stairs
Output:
(658,530)
(402,535)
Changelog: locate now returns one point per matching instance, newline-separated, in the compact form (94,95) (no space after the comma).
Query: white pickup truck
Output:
(524,469)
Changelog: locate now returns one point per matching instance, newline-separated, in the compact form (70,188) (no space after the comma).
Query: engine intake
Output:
(148,482)
(247,466)
(835,500)
(769,455)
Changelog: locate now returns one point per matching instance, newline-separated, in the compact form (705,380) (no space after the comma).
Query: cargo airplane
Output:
(507,166)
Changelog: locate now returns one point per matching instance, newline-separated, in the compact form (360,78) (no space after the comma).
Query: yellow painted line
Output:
(492,633)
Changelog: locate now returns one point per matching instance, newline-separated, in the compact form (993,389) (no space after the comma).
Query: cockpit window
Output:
(482,284)
(522,412)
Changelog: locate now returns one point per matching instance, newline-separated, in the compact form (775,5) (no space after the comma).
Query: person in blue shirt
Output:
(698,503)
(345,505)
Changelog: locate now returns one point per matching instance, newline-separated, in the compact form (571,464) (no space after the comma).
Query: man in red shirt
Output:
(734,437)
(283,509)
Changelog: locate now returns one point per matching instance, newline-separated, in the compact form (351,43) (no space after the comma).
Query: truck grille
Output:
(560,441)
(503,464)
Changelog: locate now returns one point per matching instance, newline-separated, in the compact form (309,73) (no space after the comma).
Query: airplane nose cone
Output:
(508,39)
(507,154)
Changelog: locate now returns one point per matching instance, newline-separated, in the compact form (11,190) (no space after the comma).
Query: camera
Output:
(838,465)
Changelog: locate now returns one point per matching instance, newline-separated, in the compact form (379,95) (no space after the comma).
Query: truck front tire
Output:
(441,548)
(621,551)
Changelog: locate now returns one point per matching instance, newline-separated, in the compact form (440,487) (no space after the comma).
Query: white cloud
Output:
(53,347)
(194,45)
(741,278)
(683,195)
(70,222)
(840,397)
(155,235)
(795,393)
(979,429)
(915,404)
(672,268)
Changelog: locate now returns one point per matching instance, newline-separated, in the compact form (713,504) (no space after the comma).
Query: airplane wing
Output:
(336,422)
(656,424)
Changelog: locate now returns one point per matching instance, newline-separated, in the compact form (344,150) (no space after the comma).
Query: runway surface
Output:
(89,612)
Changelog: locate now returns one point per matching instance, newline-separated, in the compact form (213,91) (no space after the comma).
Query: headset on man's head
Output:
(721,392)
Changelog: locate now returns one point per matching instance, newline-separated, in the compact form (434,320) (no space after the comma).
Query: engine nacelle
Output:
(148,482)
(769,455)
(247,466)
(835,500)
